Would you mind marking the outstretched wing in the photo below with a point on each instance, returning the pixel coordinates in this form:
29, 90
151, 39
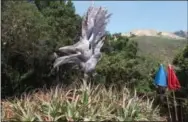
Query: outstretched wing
88, 22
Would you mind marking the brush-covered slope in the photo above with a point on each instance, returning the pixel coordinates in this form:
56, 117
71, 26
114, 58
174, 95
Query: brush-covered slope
154, 33
159, 48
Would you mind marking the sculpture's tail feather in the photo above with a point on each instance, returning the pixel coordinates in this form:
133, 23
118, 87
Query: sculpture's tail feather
98, 47
101, 21
94, 23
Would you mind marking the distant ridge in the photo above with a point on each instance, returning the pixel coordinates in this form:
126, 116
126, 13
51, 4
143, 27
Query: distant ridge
151, 32
182, 33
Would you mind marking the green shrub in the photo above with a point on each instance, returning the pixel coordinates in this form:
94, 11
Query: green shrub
121, 65
181, 63
29, 37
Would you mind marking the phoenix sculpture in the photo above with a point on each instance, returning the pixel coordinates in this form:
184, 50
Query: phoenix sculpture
86, 52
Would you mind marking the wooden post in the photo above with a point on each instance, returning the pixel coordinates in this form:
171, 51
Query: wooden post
175, 106
168, 107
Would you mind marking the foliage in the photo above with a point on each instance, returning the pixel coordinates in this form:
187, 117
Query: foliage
61, 16
82, 103
181, 61
121, 65
28, 39
22, 29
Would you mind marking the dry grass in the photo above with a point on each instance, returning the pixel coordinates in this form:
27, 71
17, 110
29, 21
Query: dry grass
85, 102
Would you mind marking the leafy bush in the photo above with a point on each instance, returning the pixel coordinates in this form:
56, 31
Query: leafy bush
121, 65
22, 29
181, 61
29, 37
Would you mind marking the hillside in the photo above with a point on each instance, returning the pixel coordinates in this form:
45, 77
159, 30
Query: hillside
151, 32
163, 49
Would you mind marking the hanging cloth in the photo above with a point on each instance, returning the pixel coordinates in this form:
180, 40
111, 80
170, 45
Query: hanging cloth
161, 77
173, 82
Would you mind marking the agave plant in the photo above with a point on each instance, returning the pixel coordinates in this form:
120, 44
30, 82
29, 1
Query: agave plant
85, 102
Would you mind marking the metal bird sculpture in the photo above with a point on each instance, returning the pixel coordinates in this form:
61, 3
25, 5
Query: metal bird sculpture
86, 52
89, 65
86, 66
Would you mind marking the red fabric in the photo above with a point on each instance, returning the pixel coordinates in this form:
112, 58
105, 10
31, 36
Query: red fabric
173, 82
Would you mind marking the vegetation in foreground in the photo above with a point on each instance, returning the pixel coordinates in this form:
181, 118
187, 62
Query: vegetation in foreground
84, 102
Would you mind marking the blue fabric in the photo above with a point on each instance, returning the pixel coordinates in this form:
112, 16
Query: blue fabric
161, 77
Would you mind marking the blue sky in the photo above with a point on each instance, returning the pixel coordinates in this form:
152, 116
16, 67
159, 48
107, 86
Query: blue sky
129, 15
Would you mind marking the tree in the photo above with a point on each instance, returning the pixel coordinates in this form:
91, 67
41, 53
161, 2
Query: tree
66, 30
29, 37
63, 20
